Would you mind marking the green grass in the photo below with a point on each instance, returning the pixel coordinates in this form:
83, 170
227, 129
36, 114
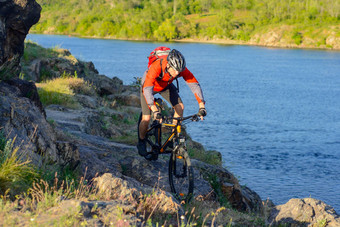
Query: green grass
210, 157
16, 175
34, 51
61, 91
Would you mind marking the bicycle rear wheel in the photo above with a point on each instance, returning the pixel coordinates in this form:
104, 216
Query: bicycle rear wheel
181, 176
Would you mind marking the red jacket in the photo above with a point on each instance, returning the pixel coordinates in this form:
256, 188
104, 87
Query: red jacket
152, 85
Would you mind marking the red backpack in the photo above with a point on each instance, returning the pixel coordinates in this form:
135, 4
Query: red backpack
158, 53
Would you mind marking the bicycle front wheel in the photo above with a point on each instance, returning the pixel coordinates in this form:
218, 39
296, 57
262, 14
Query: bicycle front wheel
181, 176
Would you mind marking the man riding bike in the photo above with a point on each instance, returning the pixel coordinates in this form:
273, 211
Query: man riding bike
158, 79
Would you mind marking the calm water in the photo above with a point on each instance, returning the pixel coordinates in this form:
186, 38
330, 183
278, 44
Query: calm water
274, 114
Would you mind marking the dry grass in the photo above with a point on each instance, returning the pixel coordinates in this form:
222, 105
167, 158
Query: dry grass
106, 199
62, 90
202, 212
109, 200
16, 175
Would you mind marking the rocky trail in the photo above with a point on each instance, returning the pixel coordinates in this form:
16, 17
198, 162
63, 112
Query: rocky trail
100, 155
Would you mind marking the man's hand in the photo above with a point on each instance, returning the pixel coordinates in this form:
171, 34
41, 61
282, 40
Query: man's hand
157, 115
202, 113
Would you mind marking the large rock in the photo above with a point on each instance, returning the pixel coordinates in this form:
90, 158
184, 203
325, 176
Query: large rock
240, 197
66, 64
23, 118
304, 212
16, 18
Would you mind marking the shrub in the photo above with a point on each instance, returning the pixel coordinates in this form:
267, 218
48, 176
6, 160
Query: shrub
16, 175
297, 37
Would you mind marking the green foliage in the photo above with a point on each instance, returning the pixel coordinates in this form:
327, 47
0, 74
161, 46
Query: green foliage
34, 51
63, 174
215, 184
16, 175
297, 37
210, 157
167, 31
170, 20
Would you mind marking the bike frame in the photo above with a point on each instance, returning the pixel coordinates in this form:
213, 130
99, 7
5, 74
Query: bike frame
175, 133
161, 147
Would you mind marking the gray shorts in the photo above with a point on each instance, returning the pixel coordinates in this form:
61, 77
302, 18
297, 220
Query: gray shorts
170, 94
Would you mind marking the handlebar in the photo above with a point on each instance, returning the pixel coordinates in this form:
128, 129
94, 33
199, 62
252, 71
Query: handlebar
193, 117
156, 123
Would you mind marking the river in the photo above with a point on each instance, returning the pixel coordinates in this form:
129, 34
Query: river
274, 114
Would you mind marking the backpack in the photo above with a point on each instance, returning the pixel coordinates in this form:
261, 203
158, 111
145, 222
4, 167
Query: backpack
160, 53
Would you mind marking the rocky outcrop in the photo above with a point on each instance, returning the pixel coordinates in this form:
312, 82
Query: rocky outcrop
304, 212
16, 18
333, 40
99, 155
62, 63
288, 36
22, 117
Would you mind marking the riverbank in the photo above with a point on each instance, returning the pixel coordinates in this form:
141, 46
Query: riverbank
271, 39
253, 43
85, 124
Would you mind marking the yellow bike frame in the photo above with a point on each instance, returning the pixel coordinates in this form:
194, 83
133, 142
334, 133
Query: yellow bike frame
173, 134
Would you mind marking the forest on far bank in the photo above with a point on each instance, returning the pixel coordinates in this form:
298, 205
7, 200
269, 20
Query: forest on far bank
167, 20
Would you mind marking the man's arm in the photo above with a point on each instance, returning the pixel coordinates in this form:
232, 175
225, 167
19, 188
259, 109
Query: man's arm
148, 85
194, 86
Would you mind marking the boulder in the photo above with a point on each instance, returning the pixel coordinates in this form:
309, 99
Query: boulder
22, 118
127, 98
16, 18
28, 90
240, 197
104, 85
101, 124
304, 212
65, 64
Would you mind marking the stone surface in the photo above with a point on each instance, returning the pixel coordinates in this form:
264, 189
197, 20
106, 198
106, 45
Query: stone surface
22, 119
304, 212
16, 18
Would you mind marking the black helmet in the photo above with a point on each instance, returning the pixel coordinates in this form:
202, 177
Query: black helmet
176, 60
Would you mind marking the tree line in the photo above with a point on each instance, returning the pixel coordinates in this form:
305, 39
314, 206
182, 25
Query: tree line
167, 20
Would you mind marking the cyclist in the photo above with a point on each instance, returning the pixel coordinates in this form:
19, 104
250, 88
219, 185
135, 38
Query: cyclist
158, 79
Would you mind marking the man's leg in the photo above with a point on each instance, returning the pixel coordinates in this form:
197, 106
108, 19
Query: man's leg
172, 96
143, 126
179, 109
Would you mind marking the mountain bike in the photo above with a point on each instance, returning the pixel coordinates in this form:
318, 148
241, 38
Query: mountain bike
181, 176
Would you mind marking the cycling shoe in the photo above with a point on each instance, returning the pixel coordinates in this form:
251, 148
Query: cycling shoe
151, 157
141, 146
